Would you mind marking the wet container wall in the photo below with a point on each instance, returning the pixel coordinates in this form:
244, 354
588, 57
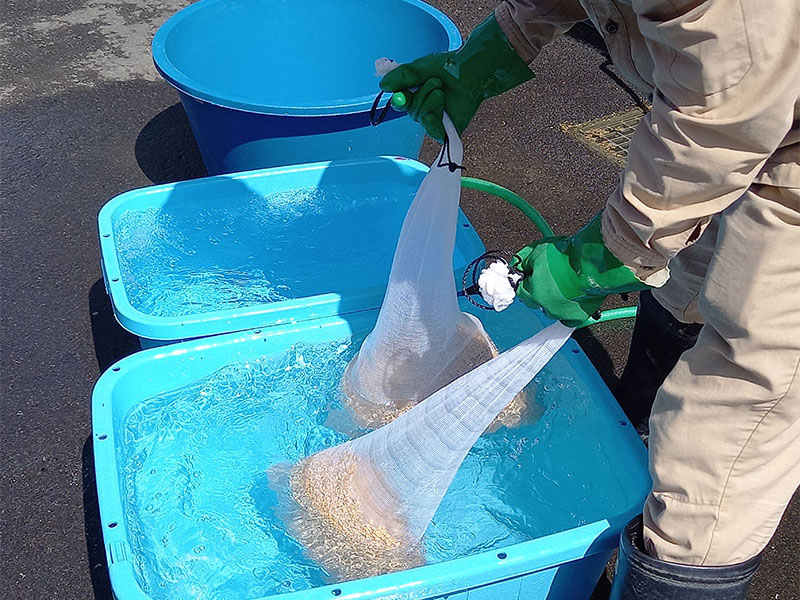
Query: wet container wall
183, 437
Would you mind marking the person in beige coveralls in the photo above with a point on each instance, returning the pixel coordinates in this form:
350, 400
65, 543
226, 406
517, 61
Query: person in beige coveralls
707, 213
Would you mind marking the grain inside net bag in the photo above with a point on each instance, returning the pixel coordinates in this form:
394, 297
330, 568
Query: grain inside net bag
361, 508
422, 341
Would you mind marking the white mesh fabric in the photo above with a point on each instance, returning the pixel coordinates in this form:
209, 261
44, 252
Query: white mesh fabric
361, 508
421, 340
375, 495
414, 458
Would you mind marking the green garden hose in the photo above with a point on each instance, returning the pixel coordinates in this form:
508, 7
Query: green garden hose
514, 199
611, 314
544, 228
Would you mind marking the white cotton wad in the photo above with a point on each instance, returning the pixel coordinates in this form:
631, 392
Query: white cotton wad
496, 284
383, 66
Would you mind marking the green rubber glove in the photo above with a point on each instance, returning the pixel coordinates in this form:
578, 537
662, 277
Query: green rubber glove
458, 81
569, 277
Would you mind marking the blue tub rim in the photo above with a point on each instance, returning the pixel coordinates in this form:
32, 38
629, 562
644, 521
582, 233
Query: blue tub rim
176, 328
448, 577
187, 85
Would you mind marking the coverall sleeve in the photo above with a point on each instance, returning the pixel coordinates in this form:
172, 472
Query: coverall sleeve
727, 77
531, 24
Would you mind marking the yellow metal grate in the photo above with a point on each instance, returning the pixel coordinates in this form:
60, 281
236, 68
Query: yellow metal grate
610, 135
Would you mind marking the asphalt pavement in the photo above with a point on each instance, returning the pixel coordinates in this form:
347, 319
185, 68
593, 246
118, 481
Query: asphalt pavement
84, 116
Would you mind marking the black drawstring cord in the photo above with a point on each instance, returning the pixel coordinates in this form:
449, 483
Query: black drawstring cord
449, 164
375, 117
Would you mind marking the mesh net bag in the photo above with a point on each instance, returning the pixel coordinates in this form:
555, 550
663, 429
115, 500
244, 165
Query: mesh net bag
421, 341
361, 508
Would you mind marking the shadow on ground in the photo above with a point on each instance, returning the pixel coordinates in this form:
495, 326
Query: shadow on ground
111, 341
587, 34
603, 588
95, 549
599, 356
166, 150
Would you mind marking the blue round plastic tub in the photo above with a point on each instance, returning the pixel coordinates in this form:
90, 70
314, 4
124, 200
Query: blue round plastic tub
276, 82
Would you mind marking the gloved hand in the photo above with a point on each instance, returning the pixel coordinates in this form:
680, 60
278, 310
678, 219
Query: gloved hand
458, 81
569, 277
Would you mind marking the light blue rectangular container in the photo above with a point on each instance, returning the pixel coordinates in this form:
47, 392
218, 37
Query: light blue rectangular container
326, 230
564, 565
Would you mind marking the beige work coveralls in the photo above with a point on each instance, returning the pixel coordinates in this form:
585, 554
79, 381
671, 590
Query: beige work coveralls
716, 160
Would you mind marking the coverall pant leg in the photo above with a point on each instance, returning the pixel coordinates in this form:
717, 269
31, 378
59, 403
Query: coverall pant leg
725, 426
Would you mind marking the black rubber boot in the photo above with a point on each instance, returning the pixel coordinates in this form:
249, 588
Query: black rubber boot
658, 342
642, 577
